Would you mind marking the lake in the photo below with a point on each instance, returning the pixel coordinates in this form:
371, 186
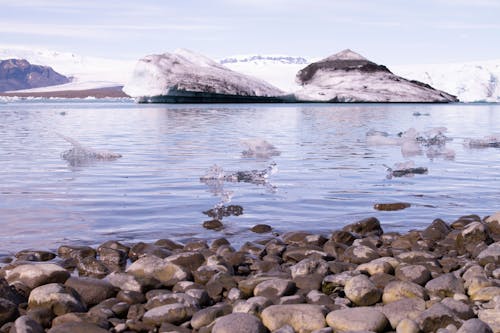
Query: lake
322, 173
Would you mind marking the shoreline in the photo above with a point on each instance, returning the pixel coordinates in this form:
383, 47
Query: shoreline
359, 278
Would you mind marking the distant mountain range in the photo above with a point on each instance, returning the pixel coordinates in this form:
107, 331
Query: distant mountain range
17, 74
470, 82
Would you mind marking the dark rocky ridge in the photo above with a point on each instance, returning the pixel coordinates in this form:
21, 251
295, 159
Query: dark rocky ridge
17, 74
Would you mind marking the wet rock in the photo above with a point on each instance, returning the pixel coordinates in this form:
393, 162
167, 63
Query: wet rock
168, 244
302, 317
463, 221
418, 274
92, 267
493, 224
261, 228
92, 291
445, 285
175, 313
406, 308
490, 255
357, 319
297, 254
365, 227
391, 206
75, 252
143, 249
77, 328
152, 270
238, 323
189, 261
343, 237
213, 225
126, 282
472, 235
407, 326
206, 316
34, 275
397, 290
57, 297
32, 255
113, 259
78, 317
436, 317
436, 231
274, 288
8, 311
360, 254
309, 266
361, 291
25, 324
474, 326
10, 293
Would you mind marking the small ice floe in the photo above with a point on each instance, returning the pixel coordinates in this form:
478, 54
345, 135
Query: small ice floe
406, 169
440, 152
418, 114
380, 138
259, 148
258, 177
81, 155
492, 141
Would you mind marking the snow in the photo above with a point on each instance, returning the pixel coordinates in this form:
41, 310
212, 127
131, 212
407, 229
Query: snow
183, 70
72, 86
471, 82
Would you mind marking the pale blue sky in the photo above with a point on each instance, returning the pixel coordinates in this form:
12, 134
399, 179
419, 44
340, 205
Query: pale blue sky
386, 31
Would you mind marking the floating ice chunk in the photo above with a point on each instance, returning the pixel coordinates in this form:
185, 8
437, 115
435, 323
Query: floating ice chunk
446, 153
79, 154
380, 138
418, 114
259, 148
486, 142
410, 148
406, 169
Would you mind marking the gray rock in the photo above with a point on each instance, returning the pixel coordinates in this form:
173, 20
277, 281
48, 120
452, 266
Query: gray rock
141, 249
368, 226
189, 261
437, 230
436, 317
77, 328
318, 298
309, 266
361, 291
32, 255
397, 290
445, 285
472, 235
75, 252
377, 266
57, 297
126, 282
238, 323
175, 313
92, 267
206, 316
171, 298
493, 224
360, 254
151, 268
285, 329
25, 324
253, 305
274, 288
407, 326
407, 308
79, 317
490, 317
92, 291
114, 259
490, 255
418, 274
462, 310
302, 317
357, 319
34, 275
8, 311
475, 326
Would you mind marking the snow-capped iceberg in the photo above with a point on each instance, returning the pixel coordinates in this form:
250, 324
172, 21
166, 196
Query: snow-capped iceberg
184, 76
349, 77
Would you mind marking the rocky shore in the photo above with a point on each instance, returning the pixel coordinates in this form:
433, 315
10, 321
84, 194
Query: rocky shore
445, 278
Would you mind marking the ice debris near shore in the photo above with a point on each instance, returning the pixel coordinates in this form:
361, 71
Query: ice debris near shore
258, 177
486, 142
80, 155
405, 169
259, 148
349, 77
184, 76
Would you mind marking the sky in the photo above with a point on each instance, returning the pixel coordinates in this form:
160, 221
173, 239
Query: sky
385, 31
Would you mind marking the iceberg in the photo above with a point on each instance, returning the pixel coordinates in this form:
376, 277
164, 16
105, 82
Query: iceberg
187, 77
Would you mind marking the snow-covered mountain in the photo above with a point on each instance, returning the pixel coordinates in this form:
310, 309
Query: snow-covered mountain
184, 76
470, 82
81, 69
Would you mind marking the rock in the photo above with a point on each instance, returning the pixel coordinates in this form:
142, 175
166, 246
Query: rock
474, 326
274, 288
126, 282
436, 231
206, 316
486, 294
309, 266
376, 266
357, 319
190, 261
406, 308
285, 329
113, 259
92, 291
77, 328
302, 317
418, 274
79, 317
184, 76
8, 311
175, 313
25, 324
32, 255
151, 269
365, 227
238, 323
171, 298
261, 228
253, 305
472, 235
143, 249
92, 267
397, 290
343, 237
493, 224
407, 326
168, 244
435, 317
445, 285
360, 254
57, 297
213, 225
34, 275
490, 255
170, 328
318, 298
75, 252
10, 293
391, 206
461, 309
491, 318
361, 291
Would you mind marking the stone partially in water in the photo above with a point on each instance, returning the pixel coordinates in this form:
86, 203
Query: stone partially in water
391, 206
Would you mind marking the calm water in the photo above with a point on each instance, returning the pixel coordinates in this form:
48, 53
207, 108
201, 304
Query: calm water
327, 175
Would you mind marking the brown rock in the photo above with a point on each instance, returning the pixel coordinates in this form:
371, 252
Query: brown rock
392, 206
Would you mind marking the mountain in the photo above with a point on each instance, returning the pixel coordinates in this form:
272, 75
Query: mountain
470, 82
17, 74
349, 77
184, 76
